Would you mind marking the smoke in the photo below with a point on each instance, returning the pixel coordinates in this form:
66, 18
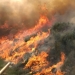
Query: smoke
21, 14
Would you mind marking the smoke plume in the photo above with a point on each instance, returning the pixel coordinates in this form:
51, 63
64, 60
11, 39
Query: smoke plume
19, 14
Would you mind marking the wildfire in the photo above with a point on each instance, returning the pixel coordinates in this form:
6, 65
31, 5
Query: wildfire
37, 62
42, 22
57, 67
13, 50
27, 42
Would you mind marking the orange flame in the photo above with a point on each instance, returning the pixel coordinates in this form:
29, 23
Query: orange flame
13, 50
48, 71
37, 62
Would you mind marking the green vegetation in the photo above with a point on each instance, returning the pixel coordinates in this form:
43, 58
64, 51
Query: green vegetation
64, 37
2, 63
59, 27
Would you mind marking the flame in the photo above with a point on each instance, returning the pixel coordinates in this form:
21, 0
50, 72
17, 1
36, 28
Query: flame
14, 50
37, 62
35, 41
42, 22
48, 71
